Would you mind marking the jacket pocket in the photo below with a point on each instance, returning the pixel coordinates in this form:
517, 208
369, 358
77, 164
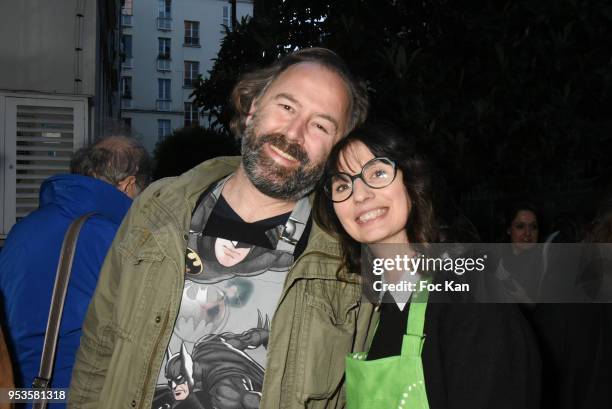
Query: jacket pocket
326, 337
140, 280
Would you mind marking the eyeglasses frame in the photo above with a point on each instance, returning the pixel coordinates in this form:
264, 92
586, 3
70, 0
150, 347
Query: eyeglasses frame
359, 176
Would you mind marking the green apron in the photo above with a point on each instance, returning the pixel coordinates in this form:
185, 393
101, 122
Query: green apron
395, 382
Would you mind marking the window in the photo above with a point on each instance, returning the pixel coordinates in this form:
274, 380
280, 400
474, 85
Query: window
192, 33
127, 122
191, 114
163, 56
126, 13
225, 21
164, 18
163, 128
164, 88
127, 7
165, 8
126, 87
164, 48
163, 94
192, 70
126, 51
126, 92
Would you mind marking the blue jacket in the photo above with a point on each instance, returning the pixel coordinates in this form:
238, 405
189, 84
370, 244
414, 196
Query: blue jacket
28, 264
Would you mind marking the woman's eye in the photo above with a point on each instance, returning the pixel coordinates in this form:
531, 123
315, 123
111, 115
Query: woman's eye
380, 173
340, 188
286, 107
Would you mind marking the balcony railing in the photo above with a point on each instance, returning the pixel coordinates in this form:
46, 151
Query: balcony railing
126, 20
127, 63
192, 41
163, 104
163, 64
164, 23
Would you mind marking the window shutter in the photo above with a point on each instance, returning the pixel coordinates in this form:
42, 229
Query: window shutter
40, 137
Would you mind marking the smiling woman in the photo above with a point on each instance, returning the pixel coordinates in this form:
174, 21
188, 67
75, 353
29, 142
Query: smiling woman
399, 210
442, 351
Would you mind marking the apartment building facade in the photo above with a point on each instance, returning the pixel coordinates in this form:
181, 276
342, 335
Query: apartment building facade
59, 83
166, 45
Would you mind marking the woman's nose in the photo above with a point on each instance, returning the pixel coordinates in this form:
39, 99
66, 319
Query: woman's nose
361, 191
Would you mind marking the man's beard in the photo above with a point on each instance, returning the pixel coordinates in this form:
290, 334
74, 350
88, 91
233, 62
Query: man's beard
270, 178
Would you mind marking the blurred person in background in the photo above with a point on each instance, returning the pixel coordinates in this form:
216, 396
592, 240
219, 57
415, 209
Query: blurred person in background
104, 179
520, 267
575, 333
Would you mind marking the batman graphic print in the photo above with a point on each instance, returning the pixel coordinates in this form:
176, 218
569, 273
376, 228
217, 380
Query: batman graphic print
234, 276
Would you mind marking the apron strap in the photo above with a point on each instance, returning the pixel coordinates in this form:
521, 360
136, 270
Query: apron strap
287, 236
294, 227
412, 344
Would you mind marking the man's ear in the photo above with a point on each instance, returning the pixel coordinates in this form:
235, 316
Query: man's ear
128, 186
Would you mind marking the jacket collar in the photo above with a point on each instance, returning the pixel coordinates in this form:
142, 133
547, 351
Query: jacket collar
180, 196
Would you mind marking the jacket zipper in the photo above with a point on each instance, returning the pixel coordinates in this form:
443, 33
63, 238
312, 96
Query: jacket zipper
149, 367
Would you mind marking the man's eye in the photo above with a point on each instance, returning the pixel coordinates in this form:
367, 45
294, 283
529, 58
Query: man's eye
286, 107
321, 128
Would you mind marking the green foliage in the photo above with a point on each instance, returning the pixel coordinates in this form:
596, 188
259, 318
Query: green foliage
508, 96
188, 147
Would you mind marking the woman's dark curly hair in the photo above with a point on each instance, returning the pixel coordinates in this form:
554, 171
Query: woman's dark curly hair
383, 140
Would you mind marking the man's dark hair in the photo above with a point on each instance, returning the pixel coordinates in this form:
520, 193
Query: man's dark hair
254, 84
112, 159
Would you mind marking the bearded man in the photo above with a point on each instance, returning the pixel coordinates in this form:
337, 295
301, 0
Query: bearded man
228, 254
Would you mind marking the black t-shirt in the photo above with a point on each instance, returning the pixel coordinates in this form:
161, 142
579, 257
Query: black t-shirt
475, 356
225, 222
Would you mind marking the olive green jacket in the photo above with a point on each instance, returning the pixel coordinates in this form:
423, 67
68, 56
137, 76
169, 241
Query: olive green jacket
320, 317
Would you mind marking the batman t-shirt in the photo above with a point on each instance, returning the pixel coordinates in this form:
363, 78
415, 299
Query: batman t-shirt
234, 277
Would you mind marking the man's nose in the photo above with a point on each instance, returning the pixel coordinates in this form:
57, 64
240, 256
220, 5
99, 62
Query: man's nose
361, 191
295, 129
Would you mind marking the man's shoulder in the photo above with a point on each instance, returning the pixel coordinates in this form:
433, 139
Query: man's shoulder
193, 182
324, 250
321, 241
171, 200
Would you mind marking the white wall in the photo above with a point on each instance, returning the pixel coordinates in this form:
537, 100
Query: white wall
37, 51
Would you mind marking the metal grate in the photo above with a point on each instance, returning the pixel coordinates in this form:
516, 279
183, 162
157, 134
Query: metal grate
44, 145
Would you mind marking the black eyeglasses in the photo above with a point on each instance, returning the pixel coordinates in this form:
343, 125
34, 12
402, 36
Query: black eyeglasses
376, 173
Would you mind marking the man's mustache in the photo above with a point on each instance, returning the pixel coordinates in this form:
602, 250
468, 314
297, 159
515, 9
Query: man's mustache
280, 141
